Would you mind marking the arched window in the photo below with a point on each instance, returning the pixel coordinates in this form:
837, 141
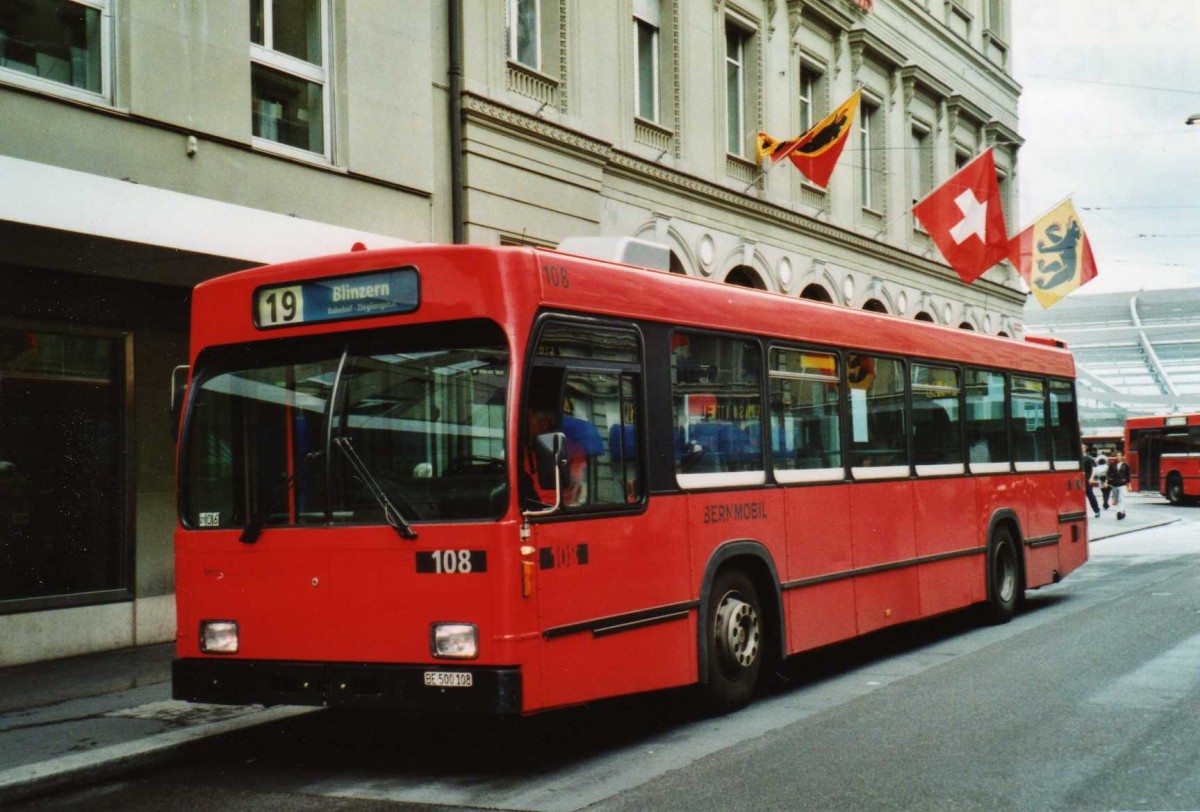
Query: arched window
1003, 334
966, 325
875, 306
676, 265
816, 293
923, 316
745, 276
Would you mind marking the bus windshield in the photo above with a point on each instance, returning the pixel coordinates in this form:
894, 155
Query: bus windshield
424, 409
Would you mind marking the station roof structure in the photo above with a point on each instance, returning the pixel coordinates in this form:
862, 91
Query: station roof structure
1136, 353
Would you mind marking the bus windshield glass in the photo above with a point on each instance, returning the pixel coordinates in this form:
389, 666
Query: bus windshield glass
424, 409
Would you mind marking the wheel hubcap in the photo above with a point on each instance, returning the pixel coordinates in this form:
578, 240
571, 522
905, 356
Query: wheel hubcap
737, 631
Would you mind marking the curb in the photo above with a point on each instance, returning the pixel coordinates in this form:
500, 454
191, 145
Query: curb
1131, 529
20, 783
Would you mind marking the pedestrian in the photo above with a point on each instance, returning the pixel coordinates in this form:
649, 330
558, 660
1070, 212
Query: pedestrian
1089, 478
1118, 479
1102, 478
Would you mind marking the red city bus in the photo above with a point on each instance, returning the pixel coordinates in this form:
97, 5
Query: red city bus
1164, 456
505, 480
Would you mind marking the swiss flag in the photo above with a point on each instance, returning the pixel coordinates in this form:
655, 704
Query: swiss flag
965, 219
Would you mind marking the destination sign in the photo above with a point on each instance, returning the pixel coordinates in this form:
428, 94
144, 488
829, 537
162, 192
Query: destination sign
378, 293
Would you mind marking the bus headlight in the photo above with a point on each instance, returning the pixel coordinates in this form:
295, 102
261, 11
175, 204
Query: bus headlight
455, 641
219, 636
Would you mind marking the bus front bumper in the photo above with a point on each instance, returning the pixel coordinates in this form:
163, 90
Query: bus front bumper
490, 690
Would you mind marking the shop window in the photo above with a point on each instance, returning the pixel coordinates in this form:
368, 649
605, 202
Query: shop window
289, 75
60, 46
62, 533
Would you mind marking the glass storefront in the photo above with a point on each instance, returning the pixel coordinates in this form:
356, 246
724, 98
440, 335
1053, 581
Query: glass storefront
62, 534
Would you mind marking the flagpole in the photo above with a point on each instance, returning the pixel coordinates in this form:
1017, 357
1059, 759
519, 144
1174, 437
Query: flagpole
1047, 211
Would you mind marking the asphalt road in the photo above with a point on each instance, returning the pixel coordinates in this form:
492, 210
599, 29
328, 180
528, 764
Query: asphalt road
1089, 699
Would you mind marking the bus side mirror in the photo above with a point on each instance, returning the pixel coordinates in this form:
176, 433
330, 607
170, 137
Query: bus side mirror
178, 398
550, 450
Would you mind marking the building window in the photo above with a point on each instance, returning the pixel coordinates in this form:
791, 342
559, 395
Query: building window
995, 16
62, 524
60, 46
647, 25
921, 163
812, 107
524, 33
289, 75
737, 49
870, 158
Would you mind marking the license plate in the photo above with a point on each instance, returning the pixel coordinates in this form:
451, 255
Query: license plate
449, 679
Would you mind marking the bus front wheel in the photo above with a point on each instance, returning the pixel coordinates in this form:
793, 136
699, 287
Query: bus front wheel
1004, 577
1175, 490
734, 631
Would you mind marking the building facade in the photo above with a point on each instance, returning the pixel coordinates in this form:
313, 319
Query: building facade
150, 144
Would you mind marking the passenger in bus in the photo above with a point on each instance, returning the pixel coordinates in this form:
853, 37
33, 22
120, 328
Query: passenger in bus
542, 420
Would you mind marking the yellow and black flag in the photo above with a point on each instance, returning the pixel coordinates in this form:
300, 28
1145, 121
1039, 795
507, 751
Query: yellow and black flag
1053, 255
816, 152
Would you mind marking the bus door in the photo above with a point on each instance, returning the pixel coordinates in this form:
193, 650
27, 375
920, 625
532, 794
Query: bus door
605, 571
1149, 454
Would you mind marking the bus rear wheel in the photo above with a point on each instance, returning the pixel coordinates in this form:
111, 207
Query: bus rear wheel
1175, 490
1003, 577
735, 636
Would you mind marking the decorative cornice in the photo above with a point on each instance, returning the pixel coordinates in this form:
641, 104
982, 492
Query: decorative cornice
958, 104
486, 112
998, 134
826, 14
963, 51
865, 41
543, 130
915, 76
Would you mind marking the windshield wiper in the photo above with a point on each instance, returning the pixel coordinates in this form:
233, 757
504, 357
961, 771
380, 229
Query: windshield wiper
254, 527
390, 514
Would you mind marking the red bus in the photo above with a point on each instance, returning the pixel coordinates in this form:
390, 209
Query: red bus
505, 480
1164, 456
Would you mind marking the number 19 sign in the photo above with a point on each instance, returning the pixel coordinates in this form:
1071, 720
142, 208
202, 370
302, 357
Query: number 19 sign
377, 293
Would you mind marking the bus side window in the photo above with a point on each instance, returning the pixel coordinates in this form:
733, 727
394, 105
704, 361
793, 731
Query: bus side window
1028, 412
877, 419
716, 396
987, 436
937, 439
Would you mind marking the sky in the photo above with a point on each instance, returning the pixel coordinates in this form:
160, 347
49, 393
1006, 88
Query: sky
1107, 86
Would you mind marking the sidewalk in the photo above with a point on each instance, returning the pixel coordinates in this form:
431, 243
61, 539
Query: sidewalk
82, 719
66, 722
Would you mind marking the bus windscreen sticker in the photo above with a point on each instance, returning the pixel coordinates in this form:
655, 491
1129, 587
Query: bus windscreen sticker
378, 293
